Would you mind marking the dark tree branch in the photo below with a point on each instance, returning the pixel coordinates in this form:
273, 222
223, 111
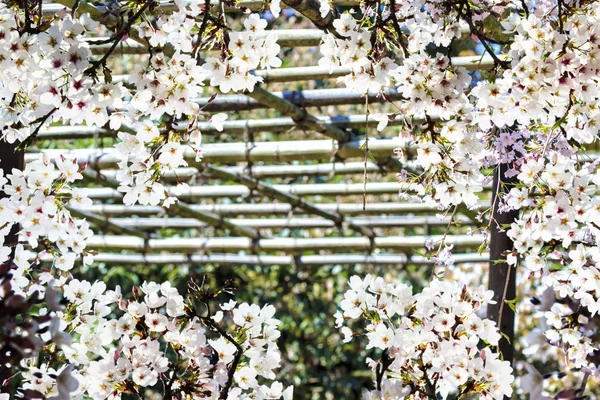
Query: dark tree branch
41, 121
74, 8
91, 71
383, 366
208, 321
310, 9
10, 159
467, 16
561, 28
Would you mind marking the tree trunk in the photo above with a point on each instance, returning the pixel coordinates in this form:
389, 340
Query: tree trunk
502, 276
9, 159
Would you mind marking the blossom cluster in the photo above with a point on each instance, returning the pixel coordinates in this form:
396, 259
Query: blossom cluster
169, 87
125, 345
529, 117
48, 76
432, 90
430, 340
37, 199
354, 51
557, 237
42, 78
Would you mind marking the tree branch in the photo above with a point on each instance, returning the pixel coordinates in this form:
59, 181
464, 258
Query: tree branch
91, 71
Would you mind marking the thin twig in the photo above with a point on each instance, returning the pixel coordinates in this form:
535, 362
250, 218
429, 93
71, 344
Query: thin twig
384, 364
27, 16
42, 120
525, 8
74, 8
396, 25
561, 28
236, 360
444, 239
506, 282
584, 382
91, 71
497, 62
203, 25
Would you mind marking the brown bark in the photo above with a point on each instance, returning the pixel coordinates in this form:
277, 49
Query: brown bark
502, 277
9, 159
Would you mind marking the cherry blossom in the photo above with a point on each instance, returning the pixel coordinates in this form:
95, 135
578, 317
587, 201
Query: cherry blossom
429, 340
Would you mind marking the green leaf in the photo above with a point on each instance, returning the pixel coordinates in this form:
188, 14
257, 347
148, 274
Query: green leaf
107, 75
512, 304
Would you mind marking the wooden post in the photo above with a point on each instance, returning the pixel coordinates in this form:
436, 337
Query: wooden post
502, 277
9, 159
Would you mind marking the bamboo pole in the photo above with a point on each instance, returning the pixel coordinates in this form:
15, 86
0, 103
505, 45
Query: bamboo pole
300, 98
129, 47
215, 220
269, 209
106, 224
289, 38
179, 174
236, 244
169, 6
290, 196
310, 73
299, 116
74, 132
106, 19
275, 151
269, 260
244, 190
285, 223
285, 171
281, 124
286, 38
248, 184
470, 63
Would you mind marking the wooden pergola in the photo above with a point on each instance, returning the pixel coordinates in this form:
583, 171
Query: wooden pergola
298, 176
296, 195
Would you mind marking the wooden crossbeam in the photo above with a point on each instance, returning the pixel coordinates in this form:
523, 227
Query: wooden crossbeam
184, 210
288, 197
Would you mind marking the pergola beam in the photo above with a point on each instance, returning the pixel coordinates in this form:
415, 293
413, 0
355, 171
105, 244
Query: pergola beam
285, 223
183, 209
285, 38
248, 184
299, 116
167, 6
269, 209
292, 74
240, 126
269, 260
236, 244
300, 98
106, 224
288, 197
275, 151
286, 171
